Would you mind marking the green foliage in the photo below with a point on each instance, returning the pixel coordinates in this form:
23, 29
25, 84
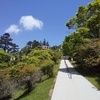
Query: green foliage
22, 70
40, 54
4, 56
33, 44
41, 90
84, 44
3, 65
72, 42
88, 56
47, 67
25, 69
87, 17
7, 44
25, 50
5, 84
56, 55
4, 59
39, 93
83, 31
33, 60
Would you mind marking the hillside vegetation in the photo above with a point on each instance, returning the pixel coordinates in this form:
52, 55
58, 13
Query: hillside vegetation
21, 70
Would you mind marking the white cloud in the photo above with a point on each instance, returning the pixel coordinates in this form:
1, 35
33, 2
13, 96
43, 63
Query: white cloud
29, 22
13, 29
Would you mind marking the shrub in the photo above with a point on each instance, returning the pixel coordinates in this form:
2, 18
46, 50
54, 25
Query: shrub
5, 85
4, 59
47, 67
88, 56
40, 54
56, 56
23, 75
33, 60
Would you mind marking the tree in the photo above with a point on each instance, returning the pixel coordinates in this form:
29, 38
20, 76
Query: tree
35, 44
29, 44
44, 42
93, 21
88, 56
5, 40
7, 44
48, 43
73, 42
84, 44
87, 17
14, 48
25, 50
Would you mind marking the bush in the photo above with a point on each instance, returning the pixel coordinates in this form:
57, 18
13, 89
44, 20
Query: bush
33, 60
5, 85
88, 56
40, 54
3, 65
47, 67
56, 56
4, 59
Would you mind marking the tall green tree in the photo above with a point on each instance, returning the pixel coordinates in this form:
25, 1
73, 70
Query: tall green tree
5, 40
7, 44
29, 44
35, 44
44, 42
88, 17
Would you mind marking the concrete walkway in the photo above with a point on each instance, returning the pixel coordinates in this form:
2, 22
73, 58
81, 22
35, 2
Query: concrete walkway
73, 87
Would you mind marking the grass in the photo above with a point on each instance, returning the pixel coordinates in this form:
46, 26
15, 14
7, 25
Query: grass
93, 78
17, 93
41, 91
95, 81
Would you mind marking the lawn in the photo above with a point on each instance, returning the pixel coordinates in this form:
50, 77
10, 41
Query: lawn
41, 92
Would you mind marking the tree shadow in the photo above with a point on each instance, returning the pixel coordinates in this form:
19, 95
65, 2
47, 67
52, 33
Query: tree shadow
23, 95
69, 70
98, 81
91, 74
79, 71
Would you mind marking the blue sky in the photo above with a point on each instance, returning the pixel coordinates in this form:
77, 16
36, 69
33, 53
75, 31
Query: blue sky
28, 20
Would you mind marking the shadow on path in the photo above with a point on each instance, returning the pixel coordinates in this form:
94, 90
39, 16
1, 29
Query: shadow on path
69, 70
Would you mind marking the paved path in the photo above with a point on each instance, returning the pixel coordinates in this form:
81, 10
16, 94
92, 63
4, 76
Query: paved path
74, 87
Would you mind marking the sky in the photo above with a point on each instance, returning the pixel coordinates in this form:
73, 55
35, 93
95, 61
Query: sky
28, 20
